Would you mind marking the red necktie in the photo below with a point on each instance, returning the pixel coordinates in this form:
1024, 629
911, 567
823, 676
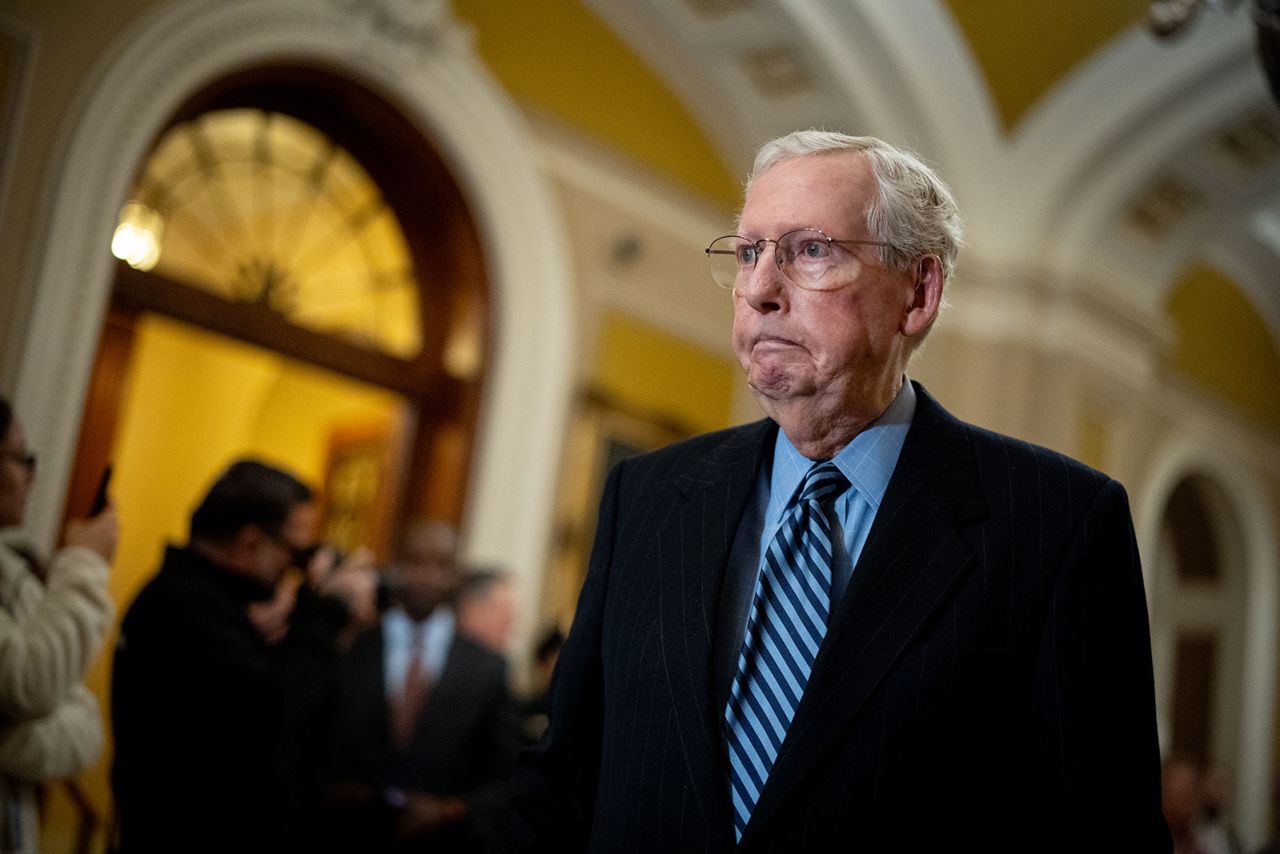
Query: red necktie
406, 707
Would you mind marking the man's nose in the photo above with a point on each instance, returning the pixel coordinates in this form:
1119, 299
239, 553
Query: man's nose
764, 287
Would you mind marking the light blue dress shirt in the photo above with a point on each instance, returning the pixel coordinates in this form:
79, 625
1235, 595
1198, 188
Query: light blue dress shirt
398, 633
867, 462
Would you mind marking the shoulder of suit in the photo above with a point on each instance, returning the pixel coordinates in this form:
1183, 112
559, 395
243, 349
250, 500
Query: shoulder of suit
174, 597
996, 452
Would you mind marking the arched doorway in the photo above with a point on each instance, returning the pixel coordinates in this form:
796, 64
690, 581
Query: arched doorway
296, 212
1200, 595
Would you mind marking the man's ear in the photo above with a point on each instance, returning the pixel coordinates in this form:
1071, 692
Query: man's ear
926, 297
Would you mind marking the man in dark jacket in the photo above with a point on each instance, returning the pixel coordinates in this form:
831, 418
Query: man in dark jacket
220, 674
424, 731
861, 624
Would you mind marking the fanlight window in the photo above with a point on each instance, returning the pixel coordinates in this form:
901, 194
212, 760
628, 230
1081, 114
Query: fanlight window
259, 207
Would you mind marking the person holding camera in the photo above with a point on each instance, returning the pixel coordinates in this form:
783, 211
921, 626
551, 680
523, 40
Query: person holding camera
52, 619
221, 670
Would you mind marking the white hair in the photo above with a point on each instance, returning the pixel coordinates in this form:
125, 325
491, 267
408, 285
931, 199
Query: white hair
914, 211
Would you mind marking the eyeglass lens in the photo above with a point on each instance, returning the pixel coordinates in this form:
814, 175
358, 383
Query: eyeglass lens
805, 257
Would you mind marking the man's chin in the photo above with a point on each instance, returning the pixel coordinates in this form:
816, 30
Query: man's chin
775, 383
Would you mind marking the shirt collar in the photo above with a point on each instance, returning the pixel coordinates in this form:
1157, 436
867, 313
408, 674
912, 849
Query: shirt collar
399, 627
868, 461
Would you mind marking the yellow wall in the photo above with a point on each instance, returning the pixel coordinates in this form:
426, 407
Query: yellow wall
557, 56
1224, 346
659, 373
1093, 435
193, 402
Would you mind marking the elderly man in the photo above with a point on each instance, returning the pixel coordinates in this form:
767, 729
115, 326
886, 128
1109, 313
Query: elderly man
860, 624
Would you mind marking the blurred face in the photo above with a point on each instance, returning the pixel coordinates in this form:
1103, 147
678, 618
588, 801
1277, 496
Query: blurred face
265, 558
1179, 795
489, 618
841, 350
16, 476
427, 572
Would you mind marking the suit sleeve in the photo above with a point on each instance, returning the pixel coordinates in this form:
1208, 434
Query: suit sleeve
555, 781
1093, 722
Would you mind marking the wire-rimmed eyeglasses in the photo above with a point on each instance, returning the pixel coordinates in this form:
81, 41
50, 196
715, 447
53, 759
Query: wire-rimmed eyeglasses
806, 257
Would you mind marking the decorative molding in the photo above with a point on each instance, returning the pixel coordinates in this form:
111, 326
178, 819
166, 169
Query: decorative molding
922, 45
1236, 255
630, 187
1073, 318
415, 24
1084, 158
659, 213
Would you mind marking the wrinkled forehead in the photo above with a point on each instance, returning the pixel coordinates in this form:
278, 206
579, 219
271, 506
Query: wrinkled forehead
830, 190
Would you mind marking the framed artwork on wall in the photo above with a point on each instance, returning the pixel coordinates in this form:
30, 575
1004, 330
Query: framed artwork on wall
362, 484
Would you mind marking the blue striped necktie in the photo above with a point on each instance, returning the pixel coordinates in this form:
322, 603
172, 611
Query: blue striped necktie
787, 623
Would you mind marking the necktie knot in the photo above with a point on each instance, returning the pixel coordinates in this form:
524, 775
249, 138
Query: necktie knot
822, 480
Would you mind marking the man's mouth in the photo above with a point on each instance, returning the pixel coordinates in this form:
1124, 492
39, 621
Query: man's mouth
774, 342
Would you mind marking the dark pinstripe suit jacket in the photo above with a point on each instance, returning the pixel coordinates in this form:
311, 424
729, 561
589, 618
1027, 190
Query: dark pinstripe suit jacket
985, 681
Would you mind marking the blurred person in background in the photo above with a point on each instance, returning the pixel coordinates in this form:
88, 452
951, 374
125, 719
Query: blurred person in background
222, 669
487, 609
52, 619
1181, 805
423, 731
1216, 834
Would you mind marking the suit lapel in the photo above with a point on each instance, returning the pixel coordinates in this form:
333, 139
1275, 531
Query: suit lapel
691, 551
913, 557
